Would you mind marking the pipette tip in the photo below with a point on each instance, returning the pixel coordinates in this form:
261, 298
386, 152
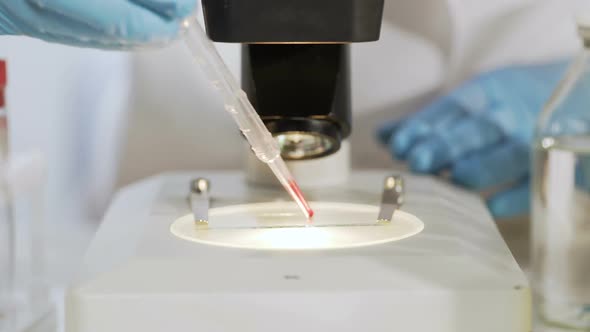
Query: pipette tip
300, 199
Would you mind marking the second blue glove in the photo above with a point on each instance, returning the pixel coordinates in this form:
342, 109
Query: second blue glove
481, 132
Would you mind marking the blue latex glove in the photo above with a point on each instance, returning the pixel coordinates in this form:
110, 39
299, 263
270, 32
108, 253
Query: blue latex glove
482, 132
110, 24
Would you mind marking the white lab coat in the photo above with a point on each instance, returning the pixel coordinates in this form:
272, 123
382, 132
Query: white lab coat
108, 118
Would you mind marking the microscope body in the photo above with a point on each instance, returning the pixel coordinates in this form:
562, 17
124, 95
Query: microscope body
456, 275
296, 64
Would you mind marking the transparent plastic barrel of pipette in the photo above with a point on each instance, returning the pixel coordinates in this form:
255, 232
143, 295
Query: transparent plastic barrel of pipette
239, 107
560, 224
235, 99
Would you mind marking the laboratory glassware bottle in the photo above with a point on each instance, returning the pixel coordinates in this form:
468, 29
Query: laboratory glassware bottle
24, 298
7, 264
560, 223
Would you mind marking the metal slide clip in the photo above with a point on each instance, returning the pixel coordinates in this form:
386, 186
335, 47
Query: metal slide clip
392, 198
199, 201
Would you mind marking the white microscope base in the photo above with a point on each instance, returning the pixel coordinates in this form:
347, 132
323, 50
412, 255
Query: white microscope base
455, 276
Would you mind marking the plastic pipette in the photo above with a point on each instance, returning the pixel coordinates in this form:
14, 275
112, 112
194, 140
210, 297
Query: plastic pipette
237, 104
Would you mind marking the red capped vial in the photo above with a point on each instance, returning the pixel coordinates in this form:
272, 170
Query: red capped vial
2, 83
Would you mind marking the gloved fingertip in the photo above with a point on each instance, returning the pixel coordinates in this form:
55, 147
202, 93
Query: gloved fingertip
462, 177
384, 133
466, 173
147, 29
401, 142
157, 33
429, 156
421, 160
186, 8
510, 204
499, 208
167, 9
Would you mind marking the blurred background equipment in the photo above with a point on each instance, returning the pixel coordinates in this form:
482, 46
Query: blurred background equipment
561, 198
24, 291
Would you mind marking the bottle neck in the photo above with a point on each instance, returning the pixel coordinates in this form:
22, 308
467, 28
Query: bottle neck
564, 114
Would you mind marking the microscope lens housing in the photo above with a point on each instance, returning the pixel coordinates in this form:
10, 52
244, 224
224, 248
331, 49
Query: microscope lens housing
296, 64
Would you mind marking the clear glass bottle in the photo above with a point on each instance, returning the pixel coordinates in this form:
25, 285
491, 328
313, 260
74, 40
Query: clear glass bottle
24, 299
7, 245
561, 200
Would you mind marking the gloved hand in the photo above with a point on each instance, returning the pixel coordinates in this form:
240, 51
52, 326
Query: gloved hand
111, 24
482, 132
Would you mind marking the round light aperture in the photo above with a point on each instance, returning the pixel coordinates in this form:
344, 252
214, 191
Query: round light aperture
276, 226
